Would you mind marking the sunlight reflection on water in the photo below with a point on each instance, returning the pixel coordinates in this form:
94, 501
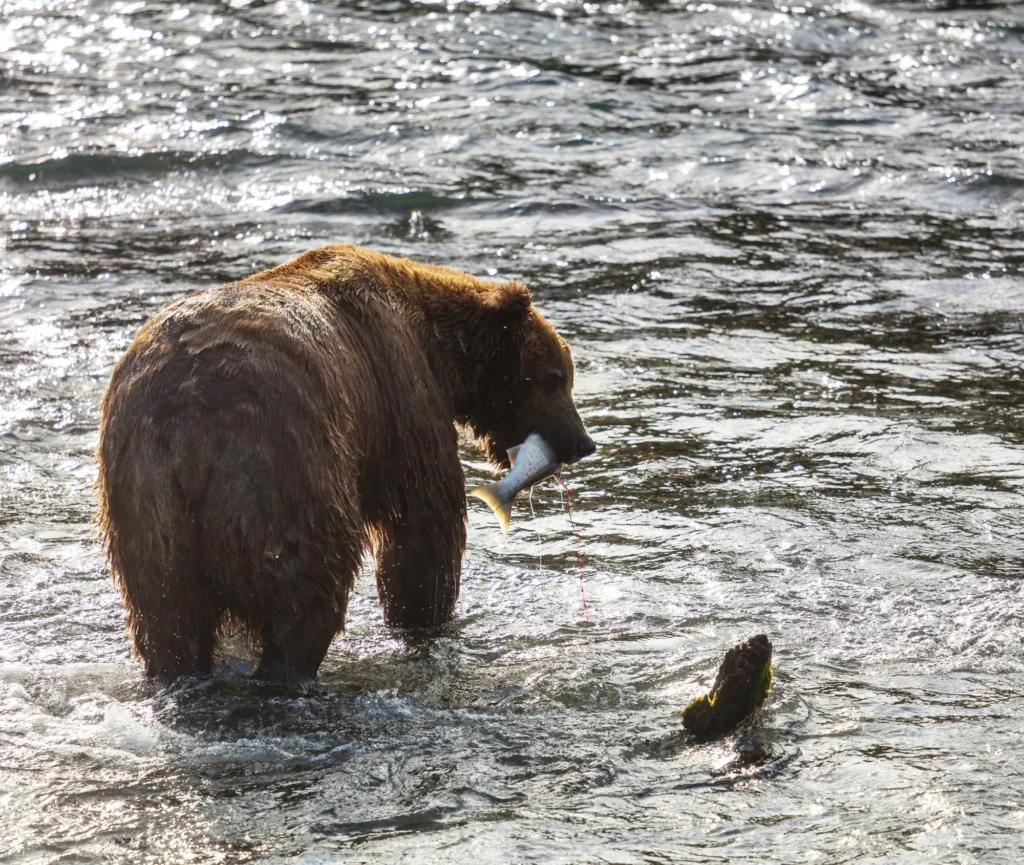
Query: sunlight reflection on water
785, 243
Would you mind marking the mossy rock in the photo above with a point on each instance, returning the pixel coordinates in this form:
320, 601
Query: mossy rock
743, 682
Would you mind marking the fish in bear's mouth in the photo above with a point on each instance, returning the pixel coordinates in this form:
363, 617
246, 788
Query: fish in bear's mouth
530, 462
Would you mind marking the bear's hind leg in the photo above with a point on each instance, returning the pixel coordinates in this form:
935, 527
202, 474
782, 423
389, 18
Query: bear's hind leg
173, 619
179, 642
174, 613
292, 653
300, 622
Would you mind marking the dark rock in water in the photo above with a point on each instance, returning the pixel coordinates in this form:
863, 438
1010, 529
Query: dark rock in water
743, 682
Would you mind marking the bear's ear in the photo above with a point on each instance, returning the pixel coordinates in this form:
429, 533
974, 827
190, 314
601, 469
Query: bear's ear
510, 302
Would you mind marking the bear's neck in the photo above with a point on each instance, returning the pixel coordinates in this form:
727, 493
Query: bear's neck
470, 354
467, 327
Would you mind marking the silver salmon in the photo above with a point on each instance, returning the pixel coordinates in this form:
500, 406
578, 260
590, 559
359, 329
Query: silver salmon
530, 462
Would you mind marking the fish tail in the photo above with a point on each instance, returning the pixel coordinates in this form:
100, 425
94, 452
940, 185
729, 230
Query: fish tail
502, 510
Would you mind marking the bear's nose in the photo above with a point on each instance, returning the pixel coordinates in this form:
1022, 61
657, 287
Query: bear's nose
585, 447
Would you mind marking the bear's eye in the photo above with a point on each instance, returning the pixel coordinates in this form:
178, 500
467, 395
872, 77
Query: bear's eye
555, 378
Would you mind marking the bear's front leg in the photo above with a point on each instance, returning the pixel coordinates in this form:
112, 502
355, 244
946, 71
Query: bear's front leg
419, 558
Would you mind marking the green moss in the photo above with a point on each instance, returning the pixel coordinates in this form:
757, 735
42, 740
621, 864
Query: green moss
699, 715
764, 685
743, 682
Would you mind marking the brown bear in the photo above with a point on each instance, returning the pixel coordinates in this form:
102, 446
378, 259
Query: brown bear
256, 438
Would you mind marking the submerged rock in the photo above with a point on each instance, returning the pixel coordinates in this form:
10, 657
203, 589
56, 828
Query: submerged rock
742, 683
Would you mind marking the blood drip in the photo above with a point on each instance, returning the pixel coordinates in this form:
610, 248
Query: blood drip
576, 534
533, 516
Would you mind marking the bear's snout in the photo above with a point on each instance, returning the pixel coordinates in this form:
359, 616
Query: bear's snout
585, 447
563, 429
575, 448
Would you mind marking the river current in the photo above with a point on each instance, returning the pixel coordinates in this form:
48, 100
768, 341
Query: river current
785, 242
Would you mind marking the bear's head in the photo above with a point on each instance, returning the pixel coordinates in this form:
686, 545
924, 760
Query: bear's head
527, 386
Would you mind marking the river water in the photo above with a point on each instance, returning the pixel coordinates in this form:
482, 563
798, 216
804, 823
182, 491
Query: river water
785, 242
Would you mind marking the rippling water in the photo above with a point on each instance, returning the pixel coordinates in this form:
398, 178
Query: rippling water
785, 242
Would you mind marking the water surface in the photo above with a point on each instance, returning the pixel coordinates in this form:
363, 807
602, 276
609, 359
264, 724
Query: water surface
785, 242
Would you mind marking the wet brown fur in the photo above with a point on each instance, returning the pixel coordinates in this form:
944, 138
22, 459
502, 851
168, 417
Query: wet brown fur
256, 438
